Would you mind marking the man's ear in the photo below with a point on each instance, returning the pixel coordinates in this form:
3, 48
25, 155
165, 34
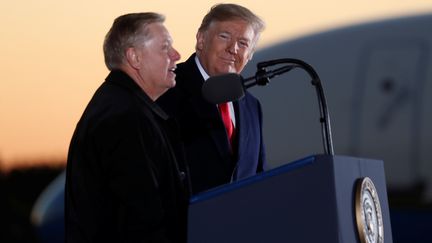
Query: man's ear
200, 40
132, 57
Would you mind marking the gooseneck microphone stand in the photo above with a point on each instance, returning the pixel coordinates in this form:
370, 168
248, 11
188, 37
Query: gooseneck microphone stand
262, 77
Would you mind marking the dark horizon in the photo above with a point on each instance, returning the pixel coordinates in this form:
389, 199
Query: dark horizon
8, 166
19, 189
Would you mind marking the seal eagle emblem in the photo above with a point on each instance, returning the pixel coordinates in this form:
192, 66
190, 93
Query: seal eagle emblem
368, 212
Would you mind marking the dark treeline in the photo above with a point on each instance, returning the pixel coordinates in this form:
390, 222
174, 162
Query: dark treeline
19, 190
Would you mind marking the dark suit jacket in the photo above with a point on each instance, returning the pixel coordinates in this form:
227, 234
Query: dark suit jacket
206, 143
123, 182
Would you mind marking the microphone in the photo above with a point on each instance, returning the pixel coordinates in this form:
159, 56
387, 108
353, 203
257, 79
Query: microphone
262, 76
223, 88
230, 87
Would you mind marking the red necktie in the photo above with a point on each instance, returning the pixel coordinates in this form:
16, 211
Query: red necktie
226, 118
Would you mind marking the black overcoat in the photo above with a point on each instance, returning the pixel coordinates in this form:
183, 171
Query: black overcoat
124, 182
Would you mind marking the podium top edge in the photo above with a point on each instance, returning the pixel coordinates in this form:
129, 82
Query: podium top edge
253, 179
290, 166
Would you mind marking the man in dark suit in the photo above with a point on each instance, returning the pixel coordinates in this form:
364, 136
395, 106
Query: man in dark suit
123, 180
218, 154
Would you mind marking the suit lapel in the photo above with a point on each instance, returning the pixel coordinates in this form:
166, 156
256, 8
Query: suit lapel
241, 126
205, 111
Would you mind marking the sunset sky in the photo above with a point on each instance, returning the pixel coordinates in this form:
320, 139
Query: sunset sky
51, 55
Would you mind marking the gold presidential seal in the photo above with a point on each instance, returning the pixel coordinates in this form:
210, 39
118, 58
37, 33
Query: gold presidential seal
368, 212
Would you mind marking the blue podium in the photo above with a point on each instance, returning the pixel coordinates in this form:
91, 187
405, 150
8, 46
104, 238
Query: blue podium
309, 200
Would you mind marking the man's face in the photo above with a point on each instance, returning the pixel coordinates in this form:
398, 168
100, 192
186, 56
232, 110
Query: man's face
158, 60
225, 47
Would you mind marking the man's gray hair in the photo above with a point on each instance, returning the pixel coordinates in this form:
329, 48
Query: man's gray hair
124, 33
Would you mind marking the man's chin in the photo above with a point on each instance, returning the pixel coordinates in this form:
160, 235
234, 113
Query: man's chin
172, 84
227, 70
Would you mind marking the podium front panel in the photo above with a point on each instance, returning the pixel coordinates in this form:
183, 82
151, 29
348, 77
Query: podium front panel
310, 200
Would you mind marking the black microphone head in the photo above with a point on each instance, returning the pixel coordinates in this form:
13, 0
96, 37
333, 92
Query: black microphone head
223, 88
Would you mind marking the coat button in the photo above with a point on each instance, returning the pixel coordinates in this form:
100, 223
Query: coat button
182, 175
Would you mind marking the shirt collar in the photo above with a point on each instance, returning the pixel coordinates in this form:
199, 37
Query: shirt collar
120, 78
201, 69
